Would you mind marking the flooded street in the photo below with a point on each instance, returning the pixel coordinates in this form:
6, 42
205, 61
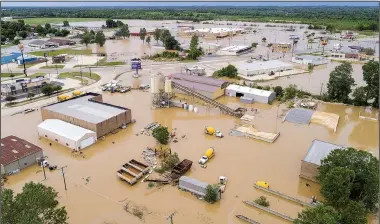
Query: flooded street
244, 161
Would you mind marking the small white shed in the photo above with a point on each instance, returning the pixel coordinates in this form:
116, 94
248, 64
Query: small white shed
69, 135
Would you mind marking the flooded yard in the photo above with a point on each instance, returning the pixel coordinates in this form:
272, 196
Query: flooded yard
95, 194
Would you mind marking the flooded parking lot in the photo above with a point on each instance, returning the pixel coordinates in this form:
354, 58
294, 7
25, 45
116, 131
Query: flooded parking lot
95, 194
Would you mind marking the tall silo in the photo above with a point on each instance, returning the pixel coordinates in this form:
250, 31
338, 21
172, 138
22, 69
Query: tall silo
154, 84
168, 86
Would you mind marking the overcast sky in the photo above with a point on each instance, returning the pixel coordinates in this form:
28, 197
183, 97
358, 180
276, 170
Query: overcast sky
76, 4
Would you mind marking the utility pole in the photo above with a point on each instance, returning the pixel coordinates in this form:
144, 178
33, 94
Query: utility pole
320, 93
21, 47
81, 75
170, 217
56, 68
63, 174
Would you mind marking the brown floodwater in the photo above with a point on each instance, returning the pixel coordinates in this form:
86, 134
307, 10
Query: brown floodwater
243, 161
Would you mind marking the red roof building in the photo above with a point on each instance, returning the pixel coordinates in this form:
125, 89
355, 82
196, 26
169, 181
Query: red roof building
17, 154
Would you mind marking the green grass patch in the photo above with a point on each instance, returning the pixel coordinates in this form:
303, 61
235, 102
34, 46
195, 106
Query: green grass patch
52, 66
368, 33
77, 76
26, 65
6, 45
103, 62
9, 74
69, 51
38, 98
38, 21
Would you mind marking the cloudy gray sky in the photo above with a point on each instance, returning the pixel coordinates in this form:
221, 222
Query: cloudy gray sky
153, 3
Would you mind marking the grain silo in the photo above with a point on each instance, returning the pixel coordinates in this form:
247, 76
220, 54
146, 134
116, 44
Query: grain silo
154, 84
168, 86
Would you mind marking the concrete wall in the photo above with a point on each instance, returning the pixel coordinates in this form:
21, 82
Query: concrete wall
23, 162
309, 171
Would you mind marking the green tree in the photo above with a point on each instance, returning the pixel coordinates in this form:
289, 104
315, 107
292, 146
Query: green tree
194, 52
279, 91
48, 89
170, 161
330, 28
171, 43
363, 167
320, 214
290, 92
161, 134
22, 34
100, 39
47, 27
211, 194
66, 23
264, 40
254, 31
230, 71
165, 34
371, 77
124, 31
369, 51
340, 83
157, 34
147, 39
262, 201
35, 204
40, 30
254, 44
354, 213
57, 88
31, 95
16, 41
86, 38
142, 34
360, 96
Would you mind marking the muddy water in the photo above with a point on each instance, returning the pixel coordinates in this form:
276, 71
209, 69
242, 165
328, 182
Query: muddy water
243, 161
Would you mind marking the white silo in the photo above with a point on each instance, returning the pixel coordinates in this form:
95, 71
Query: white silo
154, 84
168, 86
161, 82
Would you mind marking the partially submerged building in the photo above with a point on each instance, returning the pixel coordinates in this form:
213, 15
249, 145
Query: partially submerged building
234, 50
17, 154
88, 111
310, 59
62, 42
262, 67
281, 47
66, 134
211, 32
250, 95
318, 151
207, 86
14, 87
194, 186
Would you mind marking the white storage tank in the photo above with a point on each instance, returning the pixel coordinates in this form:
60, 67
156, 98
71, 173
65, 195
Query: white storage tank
196, 109
154, 84
168, 86
191, 107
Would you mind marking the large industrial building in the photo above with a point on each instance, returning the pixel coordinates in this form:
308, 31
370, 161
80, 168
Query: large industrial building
209, 87
249, 94
262, 67
318, 151
234, 50
17, 154
88, 111
211, 32
69, 135
310, 59
14, 87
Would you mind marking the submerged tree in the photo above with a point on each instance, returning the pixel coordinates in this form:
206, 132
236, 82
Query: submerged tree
35, 204
211, 194
371, 77
321, 214
340, 83
157, 34
142, 34
161, 134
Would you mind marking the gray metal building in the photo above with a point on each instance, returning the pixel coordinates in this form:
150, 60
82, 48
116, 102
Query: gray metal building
318, 151
17, 154
194, 186
257, 95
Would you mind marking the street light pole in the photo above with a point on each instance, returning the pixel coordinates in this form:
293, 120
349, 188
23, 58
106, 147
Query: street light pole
21, 47
63, 175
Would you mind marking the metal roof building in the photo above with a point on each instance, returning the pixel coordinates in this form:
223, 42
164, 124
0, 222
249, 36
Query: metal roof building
17, 154
262, 67
318, 151
234, 50
66, 134
89, 112
310, 59
210, 87
259, 95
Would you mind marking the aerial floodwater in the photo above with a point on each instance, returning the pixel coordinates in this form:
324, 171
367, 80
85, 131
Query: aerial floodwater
229, 123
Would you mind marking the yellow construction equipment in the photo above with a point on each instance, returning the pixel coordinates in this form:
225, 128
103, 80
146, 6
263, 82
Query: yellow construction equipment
209, 130
262, 184
62, 97
77, 93
208, 155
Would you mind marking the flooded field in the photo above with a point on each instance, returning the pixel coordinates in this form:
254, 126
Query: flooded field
95, 195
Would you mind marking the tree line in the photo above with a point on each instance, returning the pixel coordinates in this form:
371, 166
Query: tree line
344, 17
12, 29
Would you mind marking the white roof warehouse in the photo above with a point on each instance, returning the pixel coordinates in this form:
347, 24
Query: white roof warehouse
262, 67
258, 95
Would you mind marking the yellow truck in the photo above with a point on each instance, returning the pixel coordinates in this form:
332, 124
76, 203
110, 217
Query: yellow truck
208, 155
77, 93
211, 131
